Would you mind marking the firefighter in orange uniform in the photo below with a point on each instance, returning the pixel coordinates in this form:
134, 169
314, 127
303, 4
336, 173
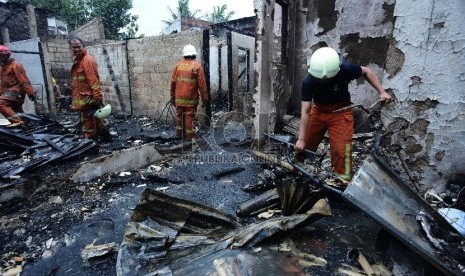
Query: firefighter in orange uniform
327, 86
15, 85
86, 91
187, 82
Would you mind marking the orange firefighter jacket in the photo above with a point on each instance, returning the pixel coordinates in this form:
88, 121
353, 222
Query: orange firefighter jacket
14, 82
85, 82
187, 81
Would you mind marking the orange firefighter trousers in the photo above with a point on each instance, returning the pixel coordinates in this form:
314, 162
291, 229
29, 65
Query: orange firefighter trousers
185, 119
9, 108
92, 127
340, 127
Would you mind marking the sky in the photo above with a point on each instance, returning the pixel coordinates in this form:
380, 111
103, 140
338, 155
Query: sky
152, 12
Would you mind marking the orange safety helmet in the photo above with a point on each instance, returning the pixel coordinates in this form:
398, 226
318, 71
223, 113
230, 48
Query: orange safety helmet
4, 50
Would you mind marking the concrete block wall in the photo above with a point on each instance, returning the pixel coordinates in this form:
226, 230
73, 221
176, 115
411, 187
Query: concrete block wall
92, 30
113, 71
58, 51
140, 87
152, 60
58, 62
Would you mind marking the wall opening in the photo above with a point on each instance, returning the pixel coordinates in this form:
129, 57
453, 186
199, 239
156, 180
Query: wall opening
280, 32
243, 78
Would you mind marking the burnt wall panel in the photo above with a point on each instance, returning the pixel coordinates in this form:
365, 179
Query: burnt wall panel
359, 30
364, 51
14, 17
327, 14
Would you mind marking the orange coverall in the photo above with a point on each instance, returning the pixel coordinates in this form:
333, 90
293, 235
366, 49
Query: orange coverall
340, 127
14, 86
87, 94
187, 81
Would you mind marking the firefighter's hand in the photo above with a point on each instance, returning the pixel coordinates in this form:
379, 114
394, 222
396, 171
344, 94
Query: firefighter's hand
204, 104
299, 145
173, 102
31, 97
385, 97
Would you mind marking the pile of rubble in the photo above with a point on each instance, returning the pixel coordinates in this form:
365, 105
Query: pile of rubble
84, 213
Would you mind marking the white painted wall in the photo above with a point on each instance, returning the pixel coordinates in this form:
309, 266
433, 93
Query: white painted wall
214, 67
430, 34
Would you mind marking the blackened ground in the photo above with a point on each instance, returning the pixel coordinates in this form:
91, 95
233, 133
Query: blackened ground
57, 218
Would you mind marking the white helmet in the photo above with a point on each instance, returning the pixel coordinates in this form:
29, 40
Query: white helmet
189, 50
324, 63
103, 112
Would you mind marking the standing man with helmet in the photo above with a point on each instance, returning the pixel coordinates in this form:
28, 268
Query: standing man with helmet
187, 82
327, 86
86, 91
14, 86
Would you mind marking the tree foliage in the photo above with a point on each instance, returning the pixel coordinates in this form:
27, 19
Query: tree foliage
181, 10
117, 20
219, 14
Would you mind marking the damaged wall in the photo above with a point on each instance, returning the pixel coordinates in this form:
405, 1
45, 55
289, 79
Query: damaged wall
218, 70
416, 48
359, 30
149, 61
263, 67
272, 81
113, 70
242, 59
145, 90
425, 70
282, 92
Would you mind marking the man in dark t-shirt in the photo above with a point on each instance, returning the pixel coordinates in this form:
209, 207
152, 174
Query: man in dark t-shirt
327, 86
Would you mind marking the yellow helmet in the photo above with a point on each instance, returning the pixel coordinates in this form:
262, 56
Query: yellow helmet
103, 112
324, 63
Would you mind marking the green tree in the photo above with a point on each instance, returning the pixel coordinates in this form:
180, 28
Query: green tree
182, 10
115, 16
118, 22
219, 14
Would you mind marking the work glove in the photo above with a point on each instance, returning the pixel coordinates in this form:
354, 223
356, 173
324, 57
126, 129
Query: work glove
31, 97
204, 104
172, 101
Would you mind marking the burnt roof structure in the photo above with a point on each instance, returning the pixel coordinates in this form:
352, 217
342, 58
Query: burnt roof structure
245, 26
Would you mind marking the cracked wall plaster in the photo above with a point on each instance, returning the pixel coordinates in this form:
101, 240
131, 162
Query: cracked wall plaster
429, 84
